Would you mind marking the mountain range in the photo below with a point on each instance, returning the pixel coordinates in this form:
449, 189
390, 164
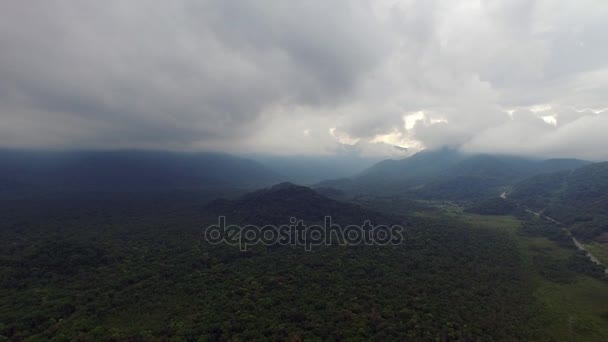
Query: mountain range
448, 174
577, 198
472, 265
126, 171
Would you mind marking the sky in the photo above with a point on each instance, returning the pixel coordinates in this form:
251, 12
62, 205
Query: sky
316, 77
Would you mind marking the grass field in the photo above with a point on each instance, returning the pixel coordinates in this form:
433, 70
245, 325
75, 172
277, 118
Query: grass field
577, 311
574, 310
506, 224
599, 250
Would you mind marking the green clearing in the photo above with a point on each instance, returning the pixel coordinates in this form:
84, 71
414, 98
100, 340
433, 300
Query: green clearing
575, 309
507, 224
599, 250
578, 311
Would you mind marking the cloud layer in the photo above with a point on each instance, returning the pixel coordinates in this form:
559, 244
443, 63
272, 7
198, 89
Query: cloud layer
312, 77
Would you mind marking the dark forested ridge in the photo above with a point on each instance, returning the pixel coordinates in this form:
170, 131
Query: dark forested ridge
447, 174
578, 198
279, 203
41, 172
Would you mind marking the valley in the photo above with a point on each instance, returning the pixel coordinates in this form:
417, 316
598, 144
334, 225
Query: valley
574, 306
303, 171
478, 260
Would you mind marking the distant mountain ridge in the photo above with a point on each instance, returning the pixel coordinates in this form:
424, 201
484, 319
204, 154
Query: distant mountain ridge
126, 171
578, 198
440, 174
448, 174
305, 169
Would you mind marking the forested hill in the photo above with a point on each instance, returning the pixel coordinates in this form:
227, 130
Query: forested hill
138, 270
578, 198
277, 204
35, 172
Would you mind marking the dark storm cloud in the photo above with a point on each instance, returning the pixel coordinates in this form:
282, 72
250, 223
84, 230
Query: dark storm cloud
306, 77
185, 71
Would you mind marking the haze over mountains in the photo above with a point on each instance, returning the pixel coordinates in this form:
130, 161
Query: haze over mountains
571, 190
443, 173
127, 171
303, 169
423, 173
449, 174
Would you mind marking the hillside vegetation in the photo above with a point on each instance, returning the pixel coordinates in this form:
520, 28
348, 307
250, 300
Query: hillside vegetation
448, 175
138, 270
578, 198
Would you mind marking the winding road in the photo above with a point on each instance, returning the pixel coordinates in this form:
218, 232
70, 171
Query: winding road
577, 243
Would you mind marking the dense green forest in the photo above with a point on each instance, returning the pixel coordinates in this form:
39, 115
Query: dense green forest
135, 266
577, 198
127, 270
